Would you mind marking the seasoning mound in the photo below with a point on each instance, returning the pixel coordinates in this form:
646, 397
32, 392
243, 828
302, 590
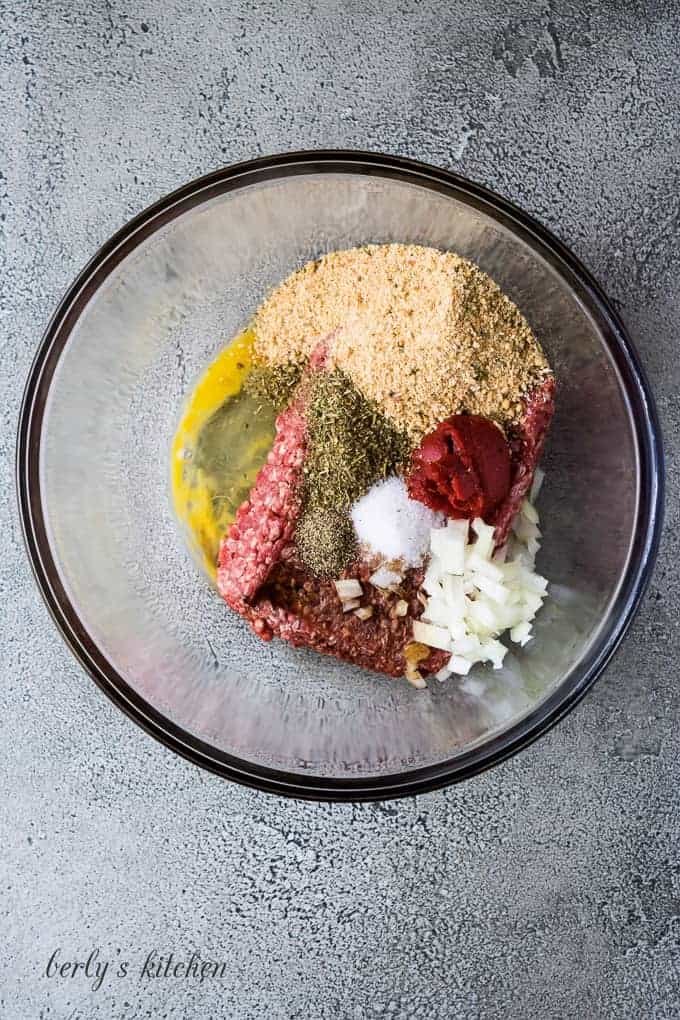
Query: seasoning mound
389, 523
422, 333
325, 541
351, 443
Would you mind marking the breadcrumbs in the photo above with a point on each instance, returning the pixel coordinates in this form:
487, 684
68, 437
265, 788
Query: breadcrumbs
424, 333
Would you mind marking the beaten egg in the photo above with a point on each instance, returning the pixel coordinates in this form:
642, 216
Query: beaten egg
221, 442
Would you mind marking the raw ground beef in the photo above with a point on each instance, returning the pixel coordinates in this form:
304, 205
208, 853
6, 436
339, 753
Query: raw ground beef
300, 608
263, 530
261, 576
526, 450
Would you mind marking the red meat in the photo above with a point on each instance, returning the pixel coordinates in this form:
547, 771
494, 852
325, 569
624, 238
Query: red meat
261, 576
265, 523
526, 449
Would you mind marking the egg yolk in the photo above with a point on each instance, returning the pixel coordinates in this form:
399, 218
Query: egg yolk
221, 442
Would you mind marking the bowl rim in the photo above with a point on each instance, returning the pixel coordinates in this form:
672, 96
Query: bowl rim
645, 422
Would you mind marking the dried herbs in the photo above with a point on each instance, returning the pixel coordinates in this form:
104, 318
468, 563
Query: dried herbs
351, 444
274, 385
325, 540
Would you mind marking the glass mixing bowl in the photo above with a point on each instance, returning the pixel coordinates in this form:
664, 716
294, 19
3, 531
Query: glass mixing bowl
118, 359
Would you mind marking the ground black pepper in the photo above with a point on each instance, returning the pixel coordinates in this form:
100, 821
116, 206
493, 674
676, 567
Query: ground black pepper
325, 541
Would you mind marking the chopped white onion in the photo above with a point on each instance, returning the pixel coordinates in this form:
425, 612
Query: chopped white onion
459, 665
468, 646
433, 576
459, 528
494, 651
458, 628
481, 617
454, 596
437, 611
536, 485
521, 633
525, 529
448, 545
496, 592
484, 533
532, 604
500, 555
348, 588
429, 634
477, 564
475, 593
383, 577
533, 545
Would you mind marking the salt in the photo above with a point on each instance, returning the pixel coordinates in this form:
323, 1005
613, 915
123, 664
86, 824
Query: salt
392, 524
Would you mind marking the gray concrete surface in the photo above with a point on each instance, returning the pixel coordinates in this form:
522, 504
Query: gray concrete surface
549, 888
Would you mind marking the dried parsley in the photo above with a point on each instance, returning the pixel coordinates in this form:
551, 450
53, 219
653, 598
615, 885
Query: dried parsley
274, 384
351, 444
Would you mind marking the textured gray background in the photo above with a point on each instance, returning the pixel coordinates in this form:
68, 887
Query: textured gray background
548, 888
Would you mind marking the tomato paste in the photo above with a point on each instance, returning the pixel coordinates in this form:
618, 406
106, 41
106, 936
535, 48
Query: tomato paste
463, 468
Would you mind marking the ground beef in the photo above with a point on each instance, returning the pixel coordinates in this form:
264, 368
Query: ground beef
265, 523
526, 449
261, 576
304, 610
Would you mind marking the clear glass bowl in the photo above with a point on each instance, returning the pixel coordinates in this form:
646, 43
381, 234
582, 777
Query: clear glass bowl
121, 354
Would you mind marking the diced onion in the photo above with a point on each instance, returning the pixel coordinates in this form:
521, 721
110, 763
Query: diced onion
348, 588
383, 577
429, 634
433, 576
477, 564
448, 545
495, 591
437, 611
521, 633
484, 533
458, 628
536, 485
494, 651
471, 593
533, 545
454, 596
468, 646
482, 617
457, 664
500, 555
459, 528
532, 604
